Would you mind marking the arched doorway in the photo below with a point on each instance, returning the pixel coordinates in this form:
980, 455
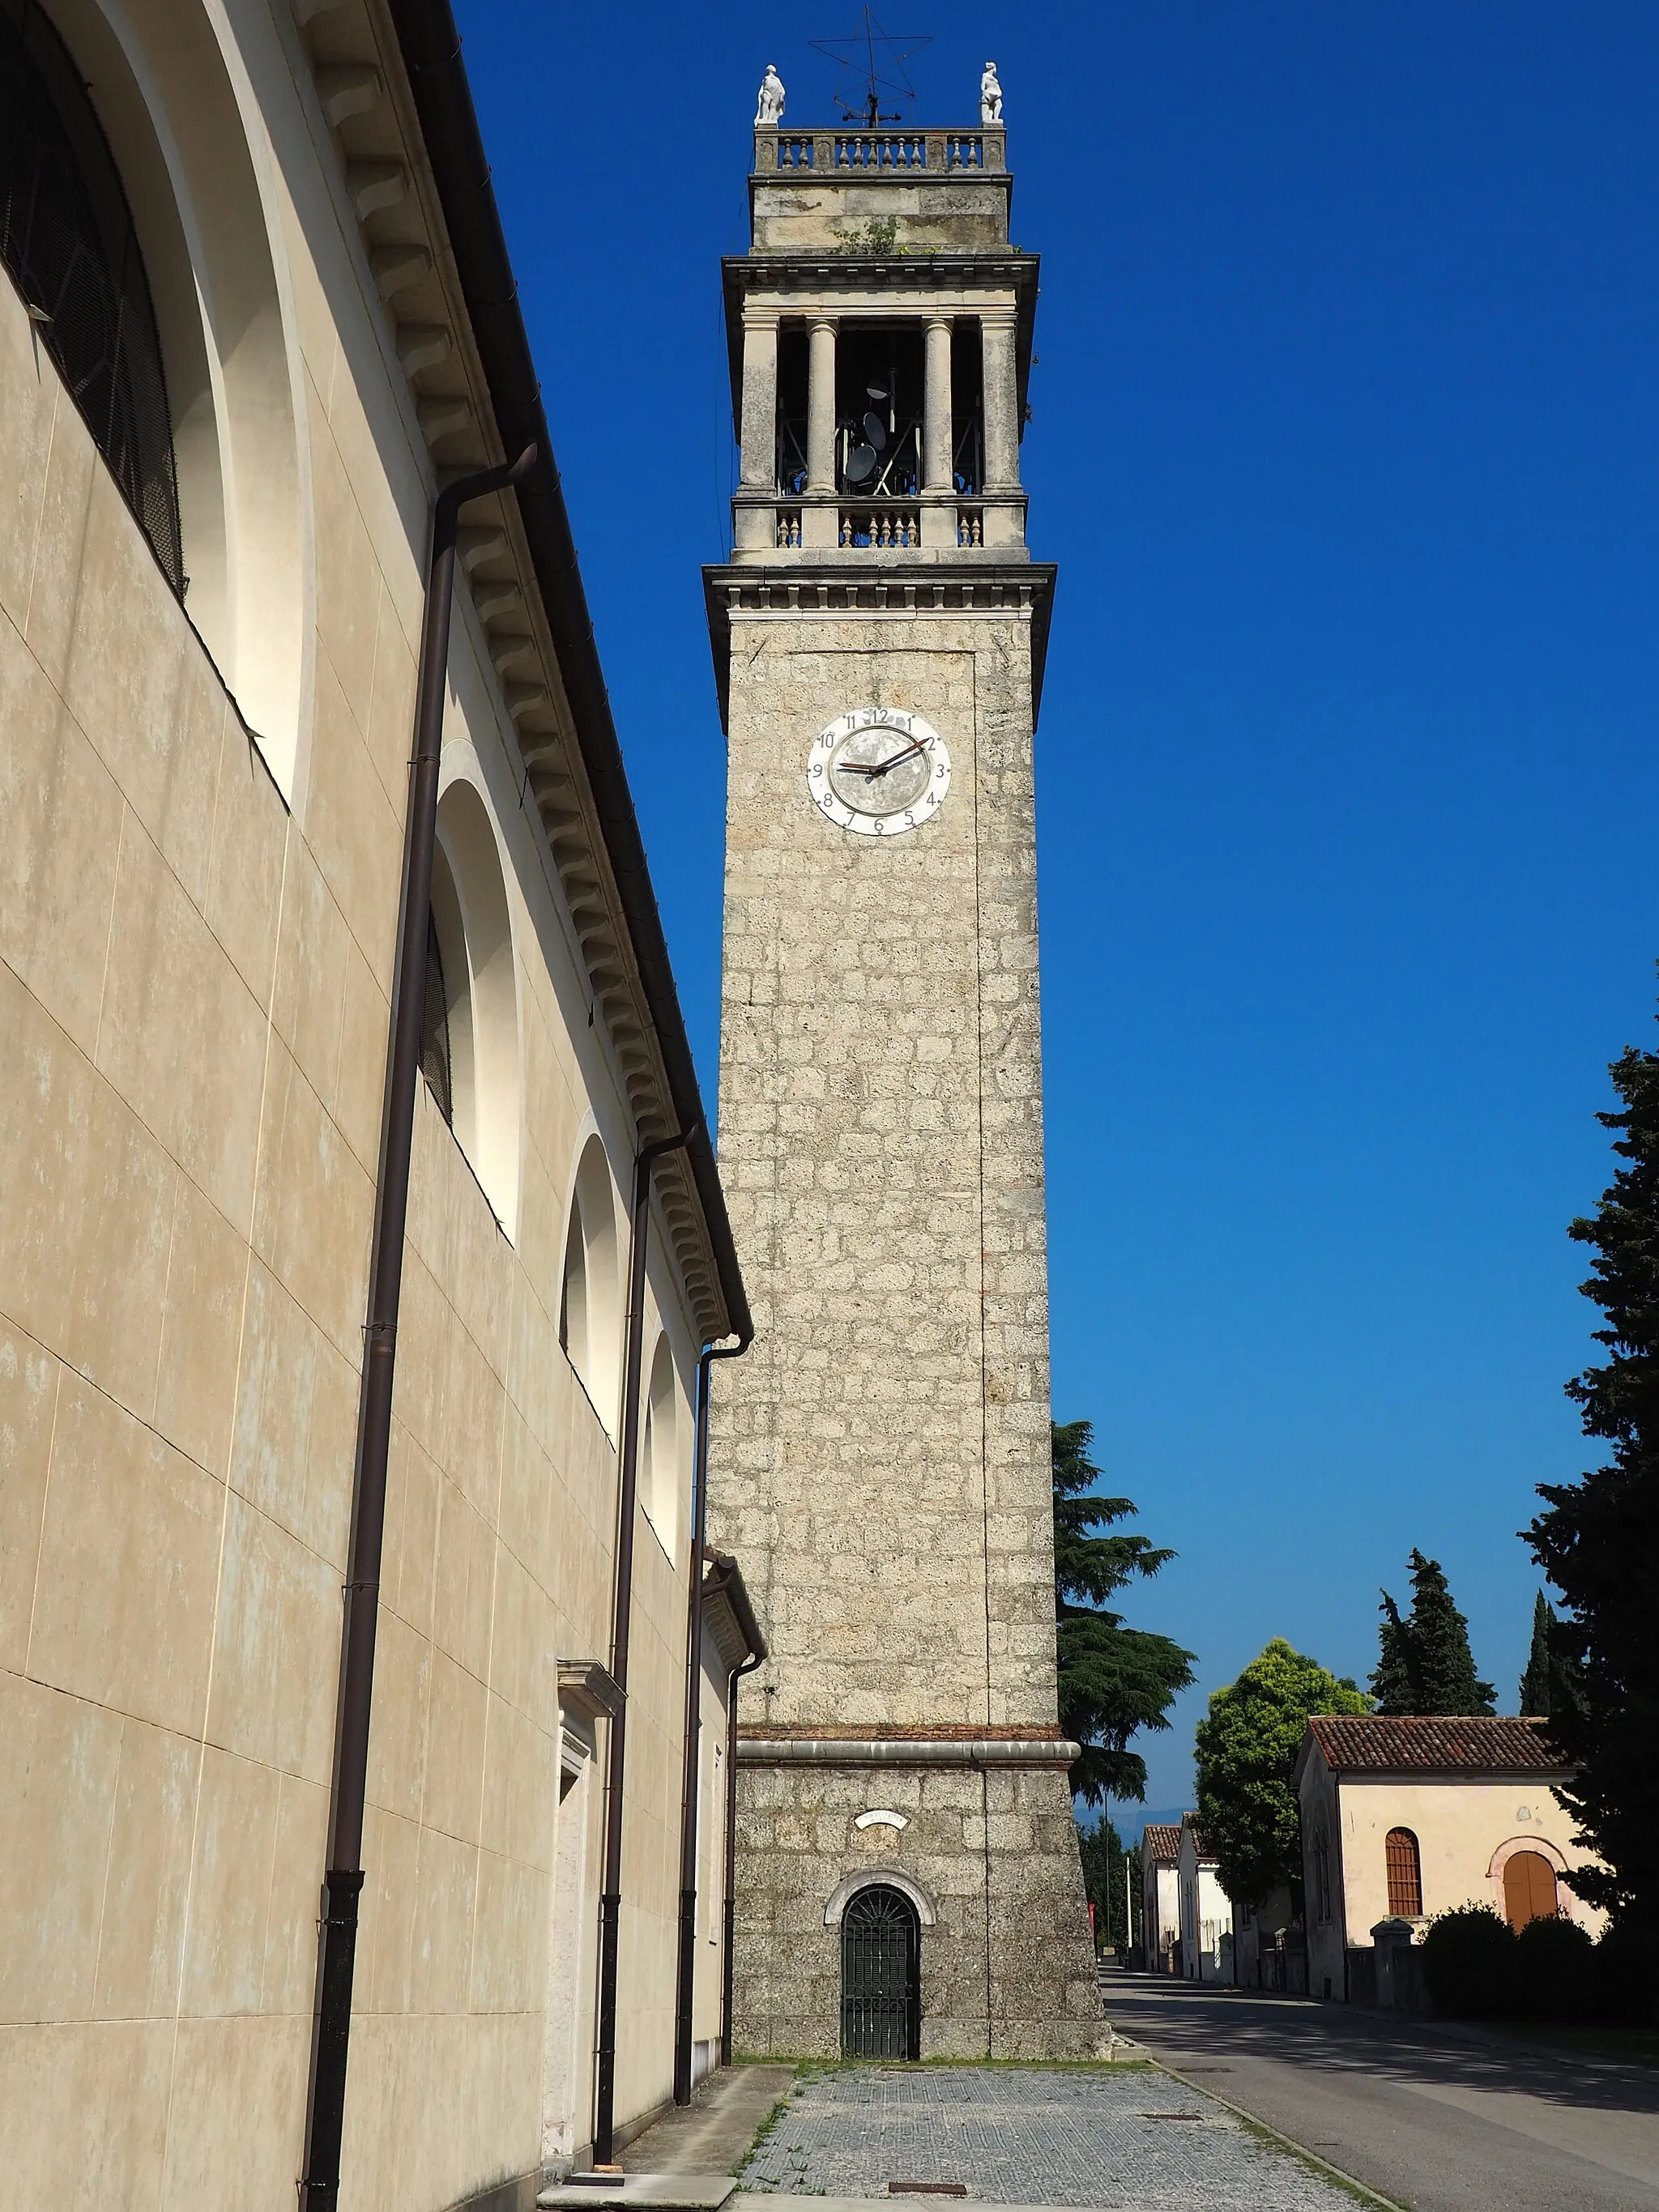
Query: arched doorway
881, 1976
1529, 1891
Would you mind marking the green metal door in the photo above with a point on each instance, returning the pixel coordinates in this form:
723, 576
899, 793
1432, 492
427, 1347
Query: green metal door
881, 1976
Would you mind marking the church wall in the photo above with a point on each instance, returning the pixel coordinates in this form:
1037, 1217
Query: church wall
193, 994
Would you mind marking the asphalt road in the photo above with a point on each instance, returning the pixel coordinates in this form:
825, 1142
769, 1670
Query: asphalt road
1438, 2124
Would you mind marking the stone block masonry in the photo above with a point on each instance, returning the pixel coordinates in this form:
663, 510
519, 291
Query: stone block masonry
882, 1452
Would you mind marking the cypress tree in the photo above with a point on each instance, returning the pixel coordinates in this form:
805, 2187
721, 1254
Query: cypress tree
1424, 1664
1535, 1683
1598, 1542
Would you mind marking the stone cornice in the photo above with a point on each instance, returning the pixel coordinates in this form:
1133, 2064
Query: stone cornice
913, 1746
413, 271
814, 588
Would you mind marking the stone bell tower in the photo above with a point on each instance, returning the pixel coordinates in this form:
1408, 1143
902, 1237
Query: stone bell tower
907, 1875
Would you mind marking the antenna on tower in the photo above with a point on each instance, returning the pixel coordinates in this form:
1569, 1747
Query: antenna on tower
862, 86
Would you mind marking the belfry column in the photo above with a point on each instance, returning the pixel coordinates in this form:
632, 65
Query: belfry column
755, 520
818, 525
940, 519
1002, 524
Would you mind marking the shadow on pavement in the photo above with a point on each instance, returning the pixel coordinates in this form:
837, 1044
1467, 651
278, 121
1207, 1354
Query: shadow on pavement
1173, 2017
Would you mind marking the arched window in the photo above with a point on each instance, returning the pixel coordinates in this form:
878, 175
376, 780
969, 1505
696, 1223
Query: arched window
435, 1061
67, 237
589, 1321
470, 1035
1405, 1866
1529, 1891
660, 1469
881, 1976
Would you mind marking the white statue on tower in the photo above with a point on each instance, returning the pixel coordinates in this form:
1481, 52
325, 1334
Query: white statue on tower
769, 108
990, 95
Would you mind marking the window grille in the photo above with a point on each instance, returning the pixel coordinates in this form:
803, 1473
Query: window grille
66, 236
1405, 1875
436, 1063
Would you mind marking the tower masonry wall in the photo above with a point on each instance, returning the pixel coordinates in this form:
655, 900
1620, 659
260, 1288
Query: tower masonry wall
1007, 1965
882, 1452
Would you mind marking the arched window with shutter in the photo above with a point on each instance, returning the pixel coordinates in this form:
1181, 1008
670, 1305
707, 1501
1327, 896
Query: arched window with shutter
1405, 1865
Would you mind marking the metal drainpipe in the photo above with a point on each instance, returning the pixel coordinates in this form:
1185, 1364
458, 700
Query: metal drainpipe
685, 1981
747, 1668
319, 2187
610, 1897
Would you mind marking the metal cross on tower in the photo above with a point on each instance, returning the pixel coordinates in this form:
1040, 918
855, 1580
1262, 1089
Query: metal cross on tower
856, 57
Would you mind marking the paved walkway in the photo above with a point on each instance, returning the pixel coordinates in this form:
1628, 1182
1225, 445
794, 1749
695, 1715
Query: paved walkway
1438, 2123
711, 2133
1030, 2136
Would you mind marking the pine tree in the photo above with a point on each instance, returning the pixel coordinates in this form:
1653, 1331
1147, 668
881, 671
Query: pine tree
1424, 1664
1537, 1685
1113, 1679
1393, 1685
1599, 1541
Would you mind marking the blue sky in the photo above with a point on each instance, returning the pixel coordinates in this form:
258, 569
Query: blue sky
1345, 438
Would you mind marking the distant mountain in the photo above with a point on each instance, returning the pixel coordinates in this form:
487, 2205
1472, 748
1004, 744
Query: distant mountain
1130, 1820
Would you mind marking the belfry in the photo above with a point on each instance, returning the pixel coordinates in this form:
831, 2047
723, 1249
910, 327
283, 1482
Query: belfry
908, 1881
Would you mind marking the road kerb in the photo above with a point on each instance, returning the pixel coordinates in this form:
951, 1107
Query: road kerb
1362, 2189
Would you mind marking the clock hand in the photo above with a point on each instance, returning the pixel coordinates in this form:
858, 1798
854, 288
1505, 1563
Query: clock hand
880, 767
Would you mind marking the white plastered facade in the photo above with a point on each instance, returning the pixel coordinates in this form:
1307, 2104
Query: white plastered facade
204, 811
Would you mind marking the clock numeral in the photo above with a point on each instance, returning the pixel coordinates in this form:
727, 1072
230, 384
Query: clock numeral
910, 817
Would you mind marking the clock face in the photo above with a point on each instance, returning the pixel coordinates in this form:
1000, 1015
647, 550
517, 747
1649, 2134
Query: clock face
878, 772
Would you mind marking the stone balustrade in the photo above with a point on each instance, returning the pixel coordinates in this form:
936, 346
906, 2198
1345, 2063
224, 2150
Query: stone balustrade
878, 153
880, 529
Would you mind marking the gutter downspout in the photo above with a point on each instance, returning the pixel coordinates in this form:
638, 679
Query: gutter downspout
319, 2186
610, 1896
685, 1979
747, 1668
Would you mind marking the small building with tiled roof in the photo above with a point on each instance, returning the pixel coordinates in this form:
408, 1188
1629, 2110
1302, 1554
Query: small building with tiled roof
1403, 1818
1207, 1912
1160, 1899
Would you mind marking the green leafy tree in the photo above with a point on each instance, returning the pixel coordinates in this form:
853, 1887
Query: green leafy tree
1247, 1748
1424, 1664
1598, 1542
1101, 1850
1114, 1681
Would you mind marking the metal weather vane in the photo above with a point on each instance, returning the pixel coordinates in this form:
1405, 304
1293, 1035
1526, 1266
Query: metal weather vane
856, 57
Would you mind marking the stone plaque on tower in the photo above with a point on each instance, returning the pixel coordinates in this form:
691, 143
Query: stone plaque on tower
907, 1873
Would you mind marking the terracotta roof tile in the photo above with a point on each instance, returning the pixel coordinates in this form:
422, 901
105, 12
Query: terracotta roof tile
1435, 1744
1161, 1841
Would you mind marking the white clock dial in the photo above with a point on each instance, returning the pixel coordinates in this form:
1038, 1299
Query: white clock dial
878, 771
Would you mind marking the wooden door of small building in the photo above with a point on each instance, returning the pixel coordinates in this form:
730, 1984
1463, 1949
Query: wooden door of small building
1529, 1891
881, 1976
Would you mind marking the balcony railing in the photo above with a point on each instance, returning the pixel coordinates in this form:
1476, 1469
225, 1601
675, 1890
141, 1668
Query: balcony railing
880, 529
878, 153
880, 149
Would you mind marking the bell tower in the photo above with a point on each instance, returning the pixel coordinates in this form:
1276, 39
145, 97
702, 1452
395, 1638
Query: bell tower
908, 1874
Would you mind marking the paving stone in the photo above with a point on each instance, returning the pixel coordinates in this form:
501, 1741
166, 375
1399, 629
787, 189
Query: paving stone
1030, 2137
